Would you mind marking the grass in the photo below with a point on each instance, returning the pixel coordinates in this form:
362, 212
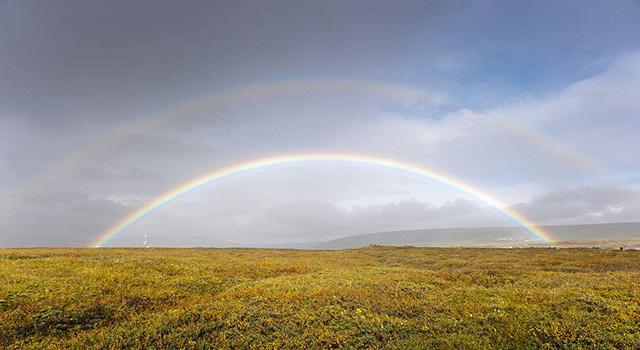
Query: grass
372, 298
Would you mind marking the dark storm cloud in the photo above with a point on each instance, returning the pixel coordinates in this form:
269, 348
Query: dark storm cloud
138, 146
90, 60
604, 203
57, 219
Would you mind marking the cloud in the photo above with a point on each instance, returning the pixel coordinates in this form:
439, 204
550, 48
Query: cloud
586, 128
57, 219
286, 219
413, 211
584, 204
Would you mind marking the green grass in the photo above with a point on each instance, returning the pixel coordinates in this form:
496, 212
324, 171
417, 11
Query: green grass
376, 298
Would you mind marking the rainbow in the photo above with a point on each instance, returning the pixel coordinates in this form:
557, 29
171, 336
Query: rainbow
553, 146
217, 100
248, 166
267, 89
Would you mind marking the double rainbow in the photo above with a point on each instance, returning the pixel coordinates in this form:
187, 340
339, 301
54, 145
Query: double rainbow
236, 96
120, 227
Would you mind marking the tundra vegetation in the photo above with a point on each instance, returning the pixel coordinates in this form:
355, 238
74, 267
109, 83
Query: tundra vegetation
370, 298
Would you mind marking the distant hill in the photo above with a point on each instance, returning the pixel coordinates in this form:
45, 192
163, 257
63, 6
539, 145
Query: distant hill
488, 236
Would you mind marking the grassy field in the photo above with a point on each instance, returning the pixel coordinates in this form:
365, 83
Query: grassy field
375, 298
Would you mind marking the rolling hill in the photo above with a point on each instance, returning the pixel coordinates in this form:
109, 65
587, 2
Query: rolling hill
490, 236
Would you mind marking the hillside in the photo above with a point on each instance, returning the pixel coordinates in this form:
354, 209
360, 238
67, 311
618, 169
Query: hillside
491, 236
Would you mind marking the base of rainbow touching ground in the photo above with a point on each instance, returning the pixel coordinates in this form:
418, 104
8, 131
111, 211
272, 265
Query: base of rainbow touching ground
245, 167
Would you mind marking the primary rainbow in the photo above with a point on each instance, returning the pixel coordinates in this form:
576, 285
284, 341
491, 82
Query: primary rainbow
130, 220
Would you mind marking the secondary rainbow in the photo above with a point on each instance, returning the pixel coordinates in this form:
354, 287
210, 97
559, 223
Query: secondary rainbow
214, 100
244, 167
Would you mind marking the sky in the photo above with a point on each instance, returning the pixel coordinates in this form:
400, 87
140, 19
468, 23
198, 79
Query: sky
105, 105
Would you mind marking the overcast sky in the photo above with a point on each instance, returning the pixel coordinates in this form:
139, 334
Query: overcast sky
106, 105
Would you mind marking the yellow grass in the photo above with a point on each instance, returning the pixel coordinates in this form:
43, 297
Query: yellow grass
375, 298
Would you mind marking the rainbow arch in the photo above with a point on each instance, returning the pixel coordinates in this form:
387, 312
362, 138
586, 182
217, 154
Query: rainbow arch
218, 99
245, 167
